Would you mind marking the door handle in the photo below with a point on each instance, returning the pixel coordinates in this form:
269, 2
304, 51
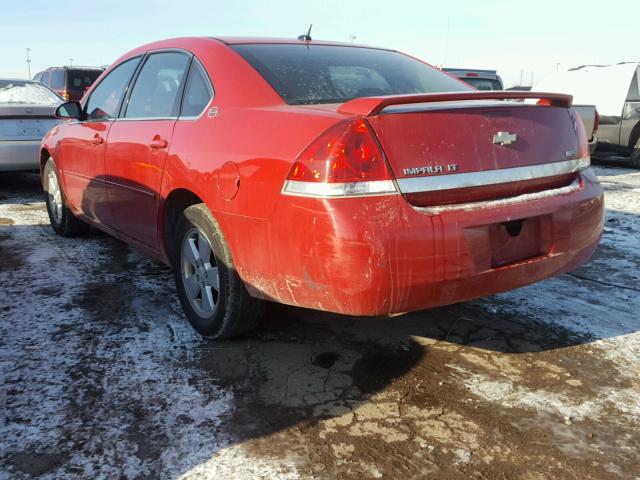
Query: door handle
158, 142
97, 139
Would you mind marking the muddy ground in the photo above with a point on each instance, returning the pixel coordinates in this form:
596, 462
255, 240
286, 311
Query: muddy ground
101, 376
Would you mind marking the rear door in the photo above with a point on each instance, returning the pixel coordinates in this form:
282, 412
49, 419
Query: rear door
138, 145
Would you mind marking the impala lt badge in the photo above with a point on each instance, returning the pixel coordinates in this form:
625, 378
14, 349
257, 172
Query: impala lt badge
431, 169
504, 138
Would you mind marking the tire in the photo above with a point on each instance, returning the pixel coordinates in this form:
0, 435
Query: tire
635, 155
64, 222
212, 294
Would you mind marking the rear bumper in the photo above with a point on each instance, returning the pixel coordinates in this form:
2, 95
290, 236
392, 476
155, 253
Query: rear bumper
380, 255
19, 155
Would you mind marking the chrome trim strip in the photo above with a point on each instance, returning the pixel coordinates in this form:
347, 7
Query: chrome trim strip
490, 177
337, 190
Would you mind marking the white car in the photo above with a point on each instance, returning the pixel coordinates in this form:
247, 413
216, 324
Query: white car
26, 114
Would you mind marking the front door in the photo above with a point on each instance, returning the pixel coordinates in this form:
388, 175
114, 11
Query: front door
138, 145
82, 151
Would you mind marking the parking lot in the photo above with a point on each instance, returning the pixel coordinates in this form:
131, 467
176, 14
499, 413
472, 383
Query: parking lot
102, 377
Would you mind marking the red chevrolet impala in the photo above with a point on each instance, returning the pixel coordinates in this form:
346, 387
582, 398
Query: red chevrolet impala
330, 176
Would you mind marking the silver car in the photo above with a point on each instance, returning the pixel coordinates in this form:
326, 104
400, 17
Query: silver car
26, 114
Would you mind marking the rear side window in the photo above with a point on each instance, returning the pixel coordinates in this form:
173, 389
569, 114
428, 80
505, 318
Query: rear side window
57, 79
308, 74
198, 92
104, 102
45, 77
80, 80
156, 93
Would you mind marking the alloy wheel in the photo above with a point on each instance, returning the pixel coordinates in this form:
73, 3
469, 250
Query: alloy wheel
54, 195
200, 274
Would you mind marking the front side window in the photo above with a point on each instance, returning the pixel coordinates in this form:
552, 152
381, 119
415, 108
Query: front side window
156, 93
198, 92
57, 79
104, 102
309, 74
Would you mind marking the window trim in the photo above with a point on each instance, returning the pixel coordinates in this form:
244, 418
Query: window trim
126, 90
213, 91
125, 101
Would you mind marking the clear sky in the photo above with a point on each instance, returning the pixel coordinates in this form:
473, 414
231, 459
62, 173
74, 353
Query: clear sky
510, 36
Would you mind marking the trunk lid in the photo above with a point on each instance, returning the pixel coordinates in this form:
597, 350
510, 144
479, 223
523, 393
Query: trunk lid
26, 122
458, 147
491, 139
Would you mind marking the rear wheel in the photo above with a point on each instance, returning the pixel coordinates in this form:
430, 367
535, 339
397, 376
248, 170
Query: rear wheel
211, 292
62, 220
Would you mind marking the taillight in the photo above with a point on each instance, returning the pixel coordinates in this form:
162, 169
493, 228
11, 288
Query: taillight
344, 161
65, 95
583, 154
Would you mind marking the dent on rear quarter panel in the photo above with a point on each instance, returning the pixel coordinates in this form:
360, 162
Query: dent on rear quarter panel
324, 253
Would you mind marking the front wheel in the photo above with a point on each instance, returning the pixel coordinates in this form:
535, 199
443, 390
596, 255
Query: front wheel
62, 220
635, 155
211, 292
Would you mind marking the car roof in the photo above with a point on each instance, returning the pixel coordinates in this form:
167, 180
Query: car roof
79, 67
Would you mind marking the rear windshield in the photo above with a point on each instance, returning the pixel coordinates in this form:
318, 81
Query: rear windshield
483, 83
20, 91
311, 74
81, 79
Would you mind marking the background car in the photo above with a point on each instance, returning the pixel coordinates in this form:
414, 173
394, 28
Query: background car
478, 79
26, 114
614, 90
69, 82
343, 178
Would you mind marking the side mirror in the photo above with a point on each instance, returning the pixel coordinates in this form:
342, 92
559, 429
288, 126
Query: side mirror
70, 110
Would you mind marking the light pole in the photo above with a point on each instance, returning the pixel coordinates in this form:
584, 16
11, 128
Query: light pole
28, 63
71, 62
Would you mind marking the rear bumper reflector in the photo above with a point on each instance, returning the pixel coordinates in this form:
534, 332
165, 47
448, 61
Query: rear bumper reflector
334, 190
490, 177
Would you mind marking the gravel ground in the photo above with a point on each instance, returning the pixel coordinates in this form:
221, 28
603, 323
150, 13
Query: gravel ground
101, 376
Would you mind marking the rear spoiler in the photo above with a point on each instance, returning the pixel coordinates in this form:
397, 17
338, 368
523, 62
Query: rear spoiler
367, 106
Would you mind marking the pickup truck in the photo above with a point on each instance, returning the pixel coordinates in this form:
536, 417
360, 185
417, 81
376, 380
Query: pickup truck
614, 90
591, 119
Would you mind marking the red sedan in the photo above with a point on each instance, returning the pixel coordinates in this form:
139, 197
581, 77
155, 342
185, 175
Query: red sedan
330, 176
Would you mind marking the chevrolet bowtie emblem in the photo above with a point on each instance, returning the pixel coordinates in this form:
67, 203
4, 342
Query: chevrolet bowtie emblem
504, 138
